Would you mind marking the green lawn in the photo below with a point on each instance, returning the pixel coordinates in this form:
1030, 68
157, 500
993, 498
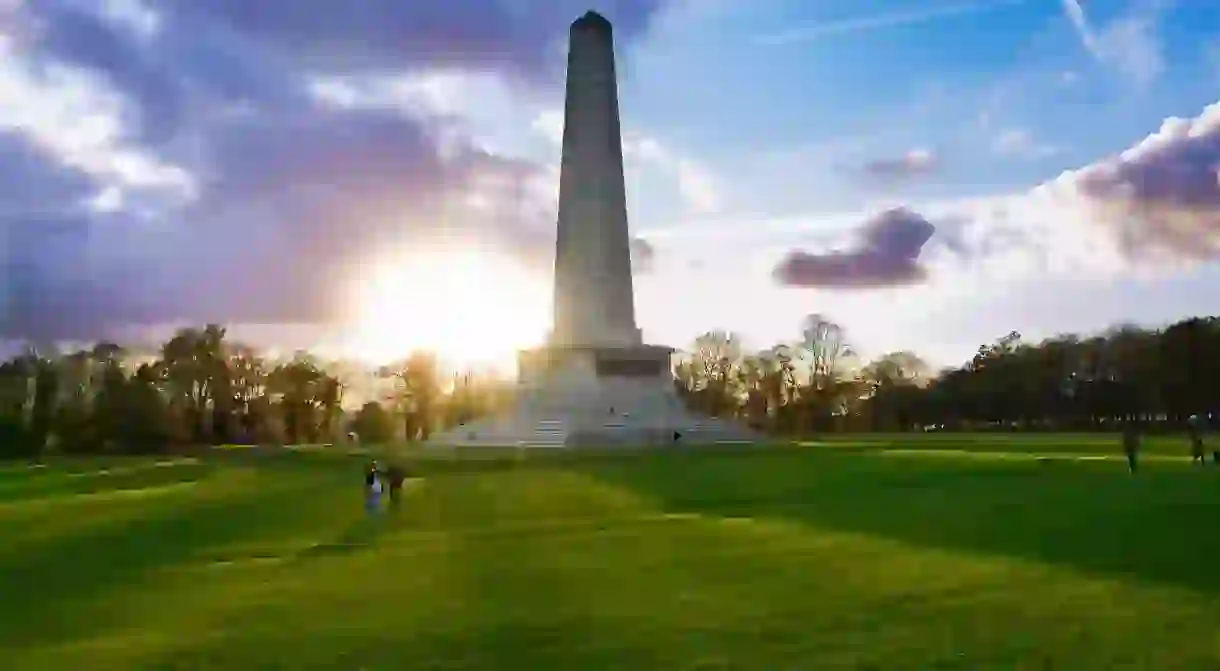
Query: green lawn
881, 554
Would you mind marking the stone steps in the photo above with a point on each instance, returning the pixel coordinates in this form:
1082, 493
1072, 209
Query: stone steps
534, 428
547, 433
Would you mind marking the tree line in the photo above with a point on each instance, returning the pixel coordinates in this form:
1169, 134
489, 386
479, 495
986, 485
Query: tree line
1157, 377
201, 388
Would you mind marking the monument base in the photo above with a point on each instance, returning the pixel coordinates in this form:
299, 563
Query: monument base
595, 397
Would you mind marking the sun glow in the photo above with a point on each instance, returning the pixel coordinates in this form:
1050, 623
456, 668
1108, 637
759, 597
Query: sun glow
470, 307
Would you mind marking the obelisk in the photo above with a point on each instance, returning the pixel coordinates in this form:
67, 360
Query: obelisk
594, 298
595, 383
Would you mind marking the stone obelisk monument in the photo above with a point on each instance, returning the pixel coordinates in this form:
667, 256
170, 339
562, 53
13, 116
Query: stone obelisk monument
595, 383
594, 300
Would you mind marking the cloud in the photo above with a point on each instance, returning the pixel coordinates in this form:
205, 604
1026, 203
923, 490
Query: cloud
887, 254
1161, 197
698, 188
914, 163
695, 183
378, 34
1019, 142
1130, 43
175, 162
1147, 210
643, 256
882, 21
549, 124
70, 115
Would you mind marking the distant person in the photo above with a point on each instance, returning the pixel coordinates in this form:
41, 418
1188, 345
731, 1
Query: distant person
1196, 448
372, 488
1131, 445
1195, 431
395, 476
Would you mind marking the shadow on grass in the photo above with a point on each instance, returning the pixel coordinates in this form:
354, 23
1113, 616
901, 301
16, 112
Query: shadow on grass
1093, 516
76, 572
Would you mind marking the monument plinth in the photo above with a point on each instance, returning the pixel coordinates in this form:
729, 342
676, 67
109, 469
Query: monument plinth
595, 383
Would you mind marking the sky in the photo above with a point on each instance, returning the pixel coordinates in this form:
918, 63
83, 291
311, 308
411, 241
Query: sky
372, 176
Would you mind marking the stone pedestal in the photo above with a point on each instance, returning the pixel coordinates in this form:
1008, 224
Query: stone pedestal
595, 397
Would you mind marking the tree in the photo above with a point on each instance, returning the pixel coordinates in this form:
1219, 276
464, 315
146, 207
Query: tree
418, 392
145, 413
200, 388
373, 423
17, 379
893, 384
823, 346
247, 387
44, 402
195, 374
109, 414
712, 362
302, 389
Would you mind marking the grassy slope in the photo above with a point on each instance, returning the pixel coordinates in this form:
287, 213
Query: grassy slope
813, 559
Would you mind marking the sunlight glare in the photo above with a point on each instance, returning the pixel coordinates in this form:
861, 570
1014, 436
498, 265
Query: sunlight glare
472, 308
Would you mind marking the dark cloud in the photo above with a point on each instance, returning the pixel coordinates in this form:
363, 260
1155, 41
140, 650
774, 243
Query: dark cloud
279, 233
30, 184
384, 33
643, 256
292, 195
887, 255
1161, 197
86, 40
914, 163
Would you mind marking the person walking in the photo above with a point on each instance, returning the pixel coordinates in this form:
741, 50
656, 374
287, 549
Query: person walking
1195, 431
372, 488
395, 476
1131, 446
1196, 449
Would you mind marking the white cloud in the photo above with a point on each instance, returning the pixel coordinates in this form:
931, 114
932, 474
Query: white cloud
549, 124
1020, 142
461, 108
137, 16
918, 161
696, 184
78, 120
1145, 212
108, 200
428, 92
1161, 198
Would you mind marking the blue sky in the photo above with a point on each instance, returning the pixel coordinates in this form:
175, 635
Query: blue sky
172, 162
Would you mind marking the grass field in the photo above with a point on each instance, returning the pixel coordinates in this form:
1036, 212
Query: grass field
874, 553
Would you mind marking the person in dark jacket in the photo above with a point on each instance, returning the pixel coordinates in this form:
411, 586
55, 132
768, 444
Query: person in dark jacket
1131, 445
395, 476
1194, 428
1196, 448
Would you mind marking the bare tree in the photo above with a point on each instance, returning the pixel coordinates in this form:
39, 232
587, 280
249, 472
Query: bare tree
823, 346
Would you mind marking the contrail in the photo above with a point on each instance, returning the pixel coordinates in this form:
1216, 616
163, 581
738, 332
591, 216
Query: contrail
1134, 49
1075, 13
892, 20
